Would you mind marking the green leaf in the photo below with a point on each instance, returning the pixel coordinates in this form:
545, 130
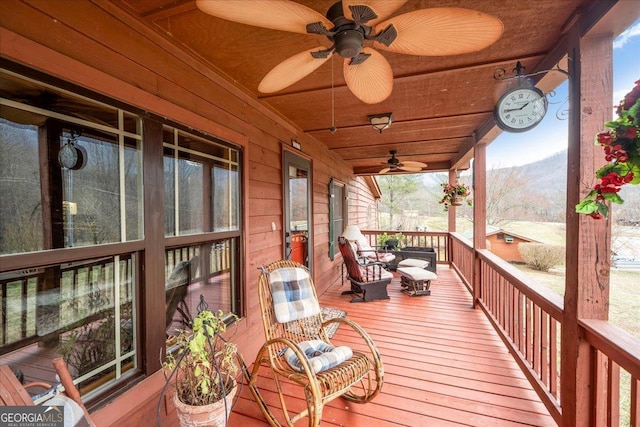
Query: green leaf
586, 206
634, 112
613, 197
605, 170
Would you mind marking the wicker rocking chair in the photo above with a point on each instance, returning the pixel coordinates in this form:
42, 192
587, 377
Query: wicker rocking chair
358, 378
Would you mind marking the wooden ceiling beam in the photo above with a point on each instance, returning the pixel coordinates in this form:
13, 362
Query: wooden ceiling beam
164, 12
501, 63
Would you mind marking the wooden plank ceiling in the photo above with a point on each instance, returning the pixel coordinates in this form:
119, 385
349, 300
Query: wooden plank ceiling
438, 103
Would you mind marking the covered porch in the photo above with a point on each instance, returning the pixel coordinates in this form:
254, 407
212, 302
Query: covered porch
444, 365
160, 87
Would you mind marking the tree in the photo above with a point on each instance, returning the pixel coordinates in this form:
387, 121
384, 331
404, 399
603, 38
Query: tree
508, 195
397, 191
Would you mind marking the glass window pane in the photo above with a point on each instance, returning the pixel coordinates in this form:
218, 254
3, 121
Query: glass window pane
21, 207
78, 311
205, 270
226, 193
91, 195
133, 189
190, 196
169, 192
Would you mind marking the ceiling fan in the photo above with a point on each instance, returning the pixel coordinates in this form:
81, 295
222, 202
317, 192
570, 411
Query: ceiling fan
393, 164
348, 24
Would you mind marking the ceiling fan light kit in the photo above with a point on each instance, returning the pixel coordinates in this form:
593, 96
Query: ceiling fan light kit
394, 165
381, 122
348, 25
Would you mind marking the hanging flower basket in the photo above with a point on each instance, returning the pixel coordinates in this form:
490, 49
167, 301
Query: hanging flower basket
457, 200
455, 195
621, 144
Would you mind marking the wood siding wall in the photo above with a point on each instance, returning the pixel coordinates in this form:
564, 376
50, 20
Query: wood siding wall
506, 251
97, 46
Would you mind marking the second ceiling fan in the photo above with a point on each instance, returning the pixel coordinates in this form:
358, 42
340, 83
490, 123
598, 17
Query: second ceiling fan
348, 24
394, 164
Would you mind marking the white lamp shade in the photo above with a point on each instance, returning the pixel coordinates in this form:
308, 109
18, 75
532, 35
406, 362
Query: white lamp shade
352, 233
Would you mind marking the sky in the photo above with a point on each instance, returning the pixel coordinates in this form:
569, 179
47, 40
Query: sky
550, 136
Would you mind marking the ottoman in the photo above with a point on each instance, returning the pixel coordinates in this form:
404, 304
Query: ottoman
415, 280
411, 262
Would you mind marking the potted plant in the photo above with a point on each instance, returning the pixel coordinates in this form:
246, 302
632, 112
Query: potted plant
203, 366
621, 144
454, 195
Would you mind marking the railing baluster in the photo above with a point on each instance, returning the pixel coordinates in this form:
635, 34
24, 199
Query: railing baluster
544, 348
613, 394
554, 374
635, 401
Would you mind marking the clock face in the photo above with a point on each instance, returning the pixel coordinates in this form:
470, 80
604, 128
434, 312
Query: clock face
71, 156
520, 109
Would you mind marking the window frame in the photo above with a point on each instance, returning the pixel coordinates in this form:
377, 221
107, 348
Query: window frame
333, 234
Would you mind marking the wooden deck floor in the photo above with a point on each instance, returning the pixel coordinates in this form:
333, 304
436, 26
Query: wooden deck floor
444, 365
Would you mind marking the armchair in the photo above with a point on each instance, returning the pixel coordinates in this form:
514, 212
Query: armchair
353, 234
368, 281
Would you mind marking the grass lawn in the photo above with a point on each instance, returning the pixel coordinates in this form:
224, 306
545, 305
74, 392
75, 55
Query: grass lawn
624, 295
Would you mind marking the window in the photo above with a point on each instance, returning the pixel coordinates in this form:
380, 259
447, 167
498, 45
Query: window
202, 198
72, 233
78, 310
70, 176
337, 214
191, 165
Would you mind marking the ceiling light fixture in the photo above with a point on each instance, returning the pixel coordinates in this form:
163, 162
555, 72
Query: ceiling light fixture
381, 122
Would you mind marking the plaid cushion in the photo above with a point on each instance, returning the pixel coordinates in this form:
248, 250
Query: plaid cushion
320, 355
292, 294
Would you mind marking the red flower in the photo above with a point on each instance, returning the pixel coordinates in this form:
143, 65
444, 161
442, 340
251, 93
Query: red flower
631, 97
612, 182
605, 138
620, 145
631, 133
615, 152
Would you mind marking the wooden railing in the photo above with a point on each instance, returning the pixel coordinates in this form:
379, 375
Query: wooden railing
431, 239
529, 319
613, 349
462, 259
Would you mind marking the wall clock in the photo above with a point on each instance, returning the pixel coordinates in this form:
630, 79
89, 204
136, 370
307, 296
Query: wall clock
72, 156
520, 109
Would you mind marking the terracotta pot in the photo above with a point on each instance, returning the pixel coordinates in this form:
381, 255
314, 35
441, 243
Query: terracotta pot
212, 415
457, 200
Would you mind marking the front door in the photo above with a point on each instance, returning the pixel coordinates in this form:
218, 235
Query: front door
297, 209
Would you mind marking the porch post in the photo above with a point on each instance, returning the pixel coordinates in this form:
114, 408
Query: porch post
588, 240
452, 209
479, 212
153, 292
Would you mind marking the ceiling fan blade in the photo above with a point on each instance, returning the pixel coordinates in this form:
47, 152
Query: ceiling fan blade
291, 70
273, 14
414, 164
385, 170
382, 8
370, 81
411, 168
442, 31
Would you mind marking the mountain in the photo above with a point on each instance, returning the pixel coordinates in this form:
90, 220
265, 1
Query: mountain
547, 175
